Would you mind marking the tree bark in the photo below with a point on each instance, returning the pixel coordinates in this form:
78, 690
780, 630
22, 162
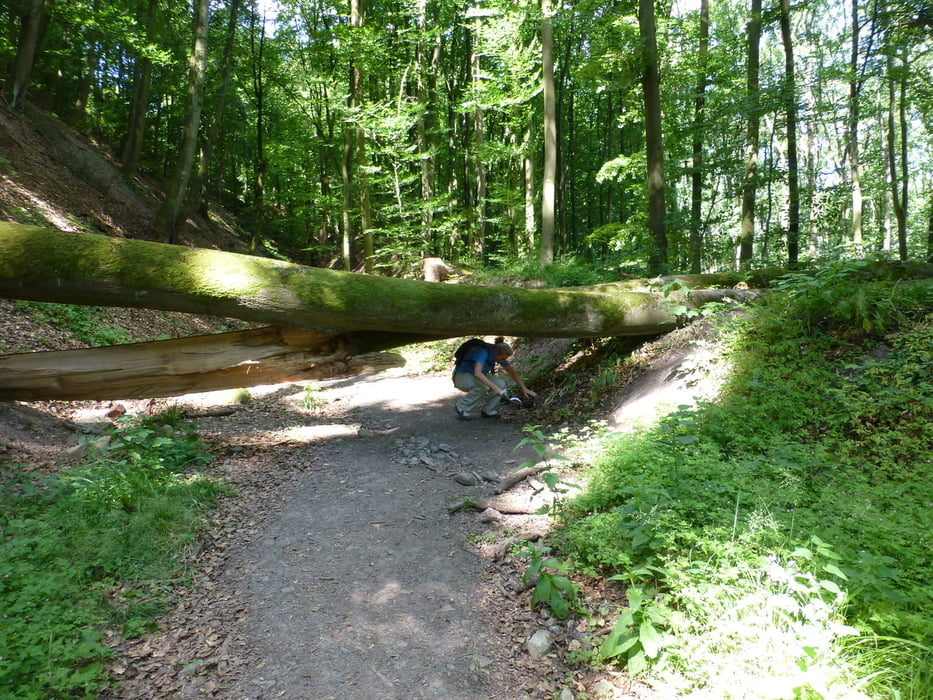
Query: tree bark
549, 179
852, 128
167, 218
33, 23
750, 184
203, 363
139, 104
793, 172
699, 116
46, 265
651, 85
198, 189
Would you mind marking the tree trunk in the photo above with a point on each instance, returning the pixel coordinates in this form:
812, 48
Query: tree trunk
930, 230
549, 181
269, 355
357, 11
259, 163
167, 218
46, 265
651, 85
139, 105
853, 140
793, 173
699, 111
33, 24
750, 183
198, 189
897, 155
427, 123
528, 187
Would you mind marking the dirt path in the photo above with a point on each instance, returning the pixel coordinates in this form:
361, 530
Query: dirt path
342, 574
362, 585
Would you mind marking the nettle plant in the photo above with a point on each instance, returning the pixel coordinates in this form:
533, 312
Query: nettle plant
548, 574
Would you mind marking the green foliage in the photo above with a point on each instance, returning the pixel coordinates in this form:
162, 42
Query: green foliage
552, 587
310, 399
837, 294
787, 520
637, 635
86, 323
93, 546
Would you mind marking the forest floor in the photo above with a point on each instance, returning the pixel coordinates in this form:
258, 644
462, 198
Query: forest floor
337, 570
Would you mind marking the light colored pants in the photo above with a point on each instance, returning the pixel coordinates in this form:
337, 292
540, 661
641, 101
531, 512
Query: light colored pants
477, 393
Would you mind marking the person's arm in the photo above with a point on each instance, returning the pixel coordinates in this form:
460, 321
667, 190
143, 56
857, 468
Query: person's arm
518, 380
478, 373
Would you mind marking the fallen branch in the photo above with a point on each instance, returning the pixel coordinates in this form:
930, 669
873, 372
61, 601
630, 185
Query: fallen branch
503, 504
519, 476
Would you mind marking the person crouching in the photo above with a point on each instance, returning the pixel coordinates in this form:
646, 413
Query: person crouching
475, 376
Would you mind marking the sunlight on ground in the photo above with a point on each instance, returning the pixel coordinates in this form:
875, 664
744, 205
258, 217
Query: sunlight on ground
52, 215
315, 433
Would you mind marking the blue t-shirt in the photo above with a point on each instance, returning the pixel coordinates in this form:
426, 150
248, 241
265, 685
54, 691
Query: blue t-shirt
482, 354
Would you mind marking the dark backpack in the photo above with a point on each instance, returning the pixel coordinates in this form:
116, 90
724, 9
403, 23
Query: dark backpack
465, 347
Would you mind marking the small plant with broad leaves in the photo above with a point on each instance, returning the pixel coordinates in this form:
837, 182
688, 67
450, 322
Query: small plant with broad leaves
638, 634
552, 587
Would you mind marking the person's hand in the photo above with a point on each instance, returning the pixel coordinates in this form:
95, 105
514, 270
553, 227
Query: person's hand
529, 392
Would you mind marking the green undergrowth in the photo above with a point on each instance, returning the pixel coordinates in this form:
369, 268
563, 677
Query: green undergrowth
88, 324
777, 543
94, 548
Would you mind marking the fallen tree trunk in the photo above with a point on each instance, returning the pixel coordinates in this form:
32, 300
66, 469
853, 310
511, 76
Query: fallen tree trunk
202, 363
46, 265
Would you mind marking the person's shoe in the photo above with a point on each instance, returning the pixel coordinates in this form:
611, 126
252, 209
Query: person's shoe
494, 416
461, 415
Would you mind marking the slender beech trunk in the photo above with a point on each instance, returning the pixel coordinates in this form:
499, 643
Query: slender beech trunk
897, 155
814, 234
357, 17
549, 183
139, 105
905, 163
853, 141
528, 180
930, 230
651, 87
750, 181
167, 218
479, 136
699, 115
33, 23
199, 188
427, 124
793, 172
260, 164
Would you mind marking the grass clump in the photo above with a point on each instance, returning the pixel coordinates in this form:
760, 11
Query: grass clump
776, 543
92, 548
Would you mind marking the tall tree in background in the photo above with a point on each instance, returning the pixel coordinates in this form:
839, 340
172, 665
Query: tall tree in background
699, 116
897, 147
428, 62
790, 106
651, 87
167, 218
852, 128
199, 187
257, 40
33, 21
479, 134
549, 181
139, 103
752, 107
